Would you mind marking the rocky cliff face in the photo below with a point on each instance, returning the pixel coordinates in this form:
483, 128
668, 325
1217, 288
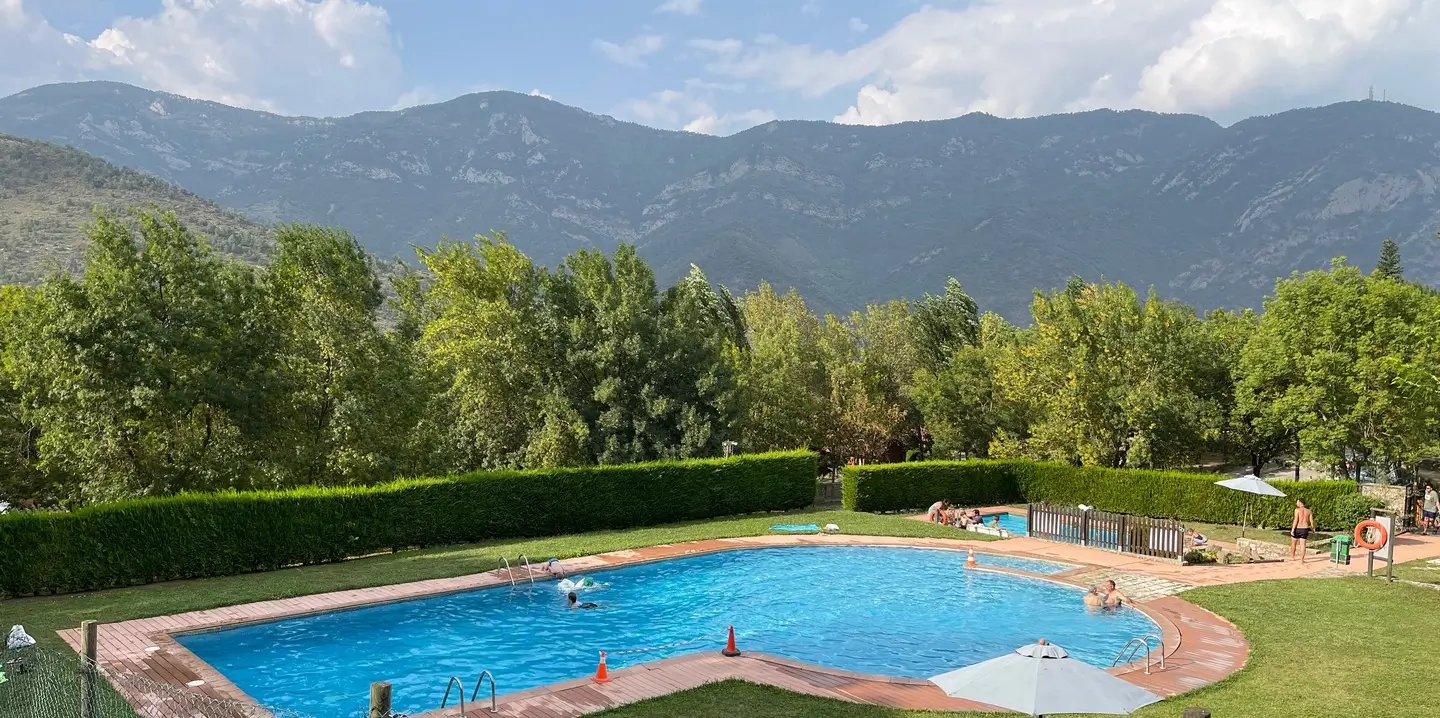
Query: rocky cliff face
846, 214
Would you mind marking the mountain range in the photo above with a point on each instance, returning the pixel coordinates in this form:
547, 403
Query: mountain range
845, 214
47, 192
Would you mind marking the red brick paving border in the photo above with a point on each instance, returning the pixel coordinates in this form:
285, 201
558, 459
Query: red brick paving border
1201, 648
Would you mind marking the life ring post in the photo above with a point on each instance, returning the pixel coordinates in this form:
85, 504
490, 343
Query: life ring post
1363, 542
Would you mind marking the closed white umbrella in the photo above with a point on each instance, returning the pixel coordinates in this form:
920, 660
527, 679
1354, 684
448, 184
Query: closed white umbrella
1042, 679
1250, 484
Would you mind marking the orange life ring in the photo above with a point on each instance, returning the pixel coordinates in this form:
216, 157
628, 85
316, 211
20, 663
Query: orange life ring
1360, 535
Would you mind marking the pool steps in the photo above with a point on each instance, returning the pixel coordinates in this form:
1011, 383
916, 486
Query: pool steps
1134, 646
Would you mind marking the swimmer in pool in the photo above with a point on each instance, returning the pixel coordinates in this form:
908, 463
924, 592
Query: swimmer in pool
1113, 597
575, 602
1093, 598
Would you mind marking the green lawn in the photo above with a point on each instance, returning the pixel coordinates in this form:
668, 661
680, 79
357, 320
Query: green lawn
43, 615
1320, 647
1425, 570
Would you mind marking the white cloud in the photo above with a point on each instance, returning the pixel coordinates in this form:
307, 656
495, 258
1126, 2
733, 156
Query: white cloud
811, 8
633, 52
1226, 58
858, 25
239, 52
538, 93
728, 123
694, 109
680, 7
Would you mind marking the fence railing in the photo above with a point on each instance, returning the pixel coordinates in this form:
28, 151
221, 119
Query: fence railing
827, 490
1138, 535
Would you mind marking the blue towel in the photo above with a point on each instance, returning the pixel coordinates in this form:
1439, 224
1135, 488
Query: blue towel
795, 528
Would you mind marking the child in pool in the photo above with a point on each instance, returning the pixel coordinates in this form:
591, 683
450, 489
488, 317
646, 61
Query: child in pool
575, 602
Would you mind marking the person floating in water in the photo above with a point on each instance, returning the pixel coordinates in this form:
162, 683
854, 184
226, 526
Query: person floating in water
575, 602
1093, 599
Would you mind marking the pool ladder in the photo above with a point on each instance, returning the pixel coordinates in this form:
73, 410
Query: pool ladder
454, 682
510, 572
1133, 646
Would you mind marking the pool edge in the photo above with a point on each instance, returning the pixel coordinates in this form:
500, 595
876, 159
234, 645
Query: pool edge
174, 664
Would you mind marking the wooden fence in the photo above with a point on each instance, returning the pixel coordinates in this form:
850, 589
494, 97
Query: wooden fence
1138, 535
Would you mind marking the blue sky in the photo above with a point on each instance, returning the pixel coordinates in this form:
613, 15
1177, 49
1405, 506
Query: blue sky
721, 65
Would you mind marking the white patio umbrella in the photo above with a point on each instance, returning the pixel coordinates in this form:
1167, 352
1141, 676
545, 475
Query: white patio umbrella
1250, 484
1042, 679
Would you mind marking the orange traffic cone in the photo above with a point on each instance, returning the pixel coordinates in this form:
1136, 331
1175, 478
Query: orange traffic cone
970, 560
601, 674
730, 650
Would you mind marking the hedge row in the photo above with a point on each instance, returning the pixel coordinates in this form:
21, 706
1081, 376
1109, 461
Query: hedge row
1159, 494
198, 535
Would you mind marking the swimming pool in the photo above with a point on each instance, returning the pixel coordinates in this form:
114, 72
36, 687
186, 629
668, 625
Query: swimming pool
1016, 524
892, 611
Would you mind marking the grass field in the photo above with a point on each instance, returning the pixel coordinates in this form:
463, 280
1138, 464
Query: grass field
1426, 570
42, 616
1321, 648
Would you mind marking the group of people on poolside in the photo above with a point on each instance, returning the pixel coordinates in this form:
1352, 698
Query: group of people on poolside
947, 515
1112, 597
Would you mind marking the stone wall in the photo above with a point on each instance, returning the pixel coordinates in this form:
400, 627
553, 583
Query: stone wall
1393, 496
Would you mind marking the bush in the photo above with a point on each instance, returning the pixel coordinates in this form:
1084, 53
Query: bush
1354, 508
1159, 494
1197, 556
199, 535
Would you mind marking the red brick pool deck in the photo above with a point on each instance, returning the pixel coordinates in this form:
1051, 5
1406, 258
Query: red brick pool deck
1201, 648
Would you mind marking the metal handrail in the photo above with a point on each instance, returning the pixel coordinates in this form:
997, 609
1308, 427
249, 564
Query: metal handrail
511, 571
480, 682
529, 573
456, 682
1160, 644
1132, 646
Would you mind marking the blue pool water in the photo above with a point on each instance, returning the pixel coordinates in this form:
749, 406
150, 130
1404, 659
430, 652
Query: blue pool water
1016, 524
893, 611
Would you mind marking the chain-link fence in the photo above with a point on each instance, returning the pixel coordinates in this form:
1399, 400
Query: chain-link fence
41, 683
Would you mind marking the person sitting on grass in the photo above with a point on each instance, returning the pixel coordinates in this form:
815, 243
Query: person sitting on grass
937, 512
1198, 540
1113, 597
975, 519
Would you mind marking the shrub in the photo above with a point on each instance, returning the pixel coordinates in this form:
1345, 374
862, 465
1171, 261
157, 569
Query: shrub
1160, 494
198, 535
1197, 556
1354, 508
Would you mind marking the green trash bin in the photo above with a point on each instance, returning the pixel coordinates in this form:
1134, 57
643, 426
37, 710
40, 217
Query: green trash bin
1340, 549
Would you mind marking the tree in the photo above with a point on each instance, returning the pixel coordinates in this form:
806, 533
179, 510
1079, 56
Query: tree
1241, 397
866, 415
21, 479
484, 351
784, 391
945, 324
1340, 356
150, 373
348, 409
1115, 381
1389, 265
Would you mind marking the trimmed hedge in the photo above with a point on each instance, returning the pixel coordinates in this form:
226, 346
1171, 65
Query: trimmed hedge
1159, 494
199, 535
